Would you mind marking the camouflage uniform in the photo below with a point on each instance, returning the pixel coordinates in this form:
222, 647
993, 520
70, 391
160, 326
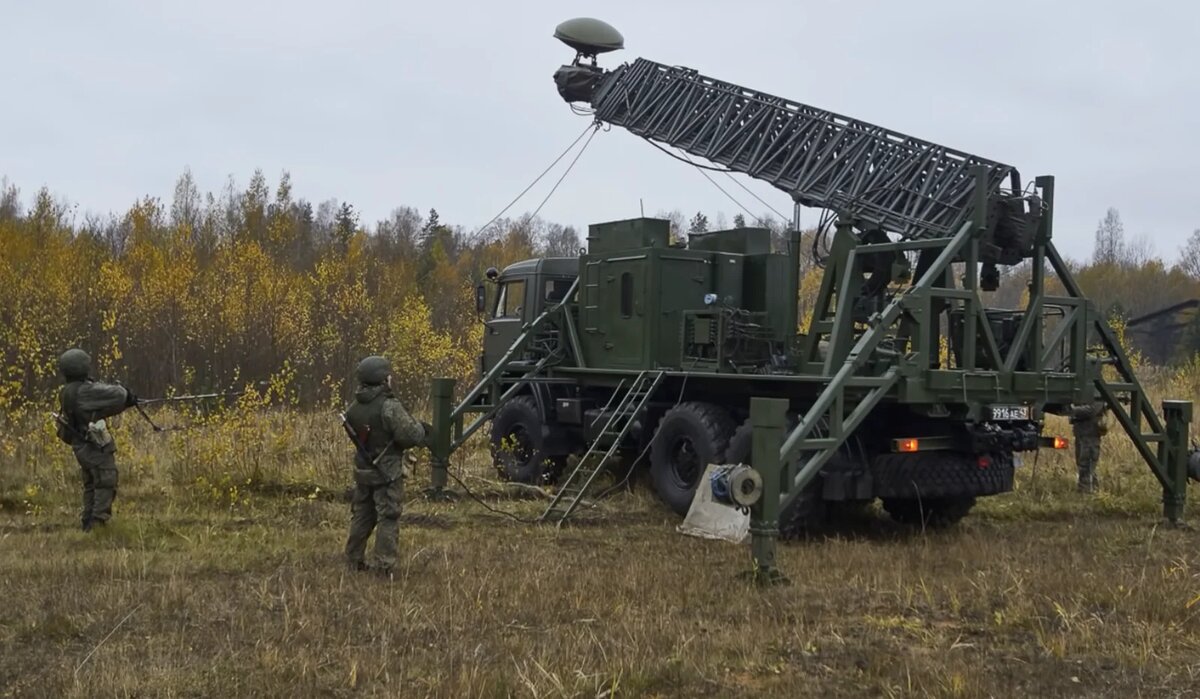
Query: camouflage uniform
1089, 426
386, 429
83, 404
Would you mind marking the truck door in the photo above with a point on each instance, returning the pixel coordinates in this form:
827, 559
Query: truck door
624, 310
507, 318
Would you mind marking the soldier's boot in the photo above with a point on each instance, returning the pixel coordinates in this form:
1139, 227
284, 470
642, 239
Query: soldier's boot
1088, 483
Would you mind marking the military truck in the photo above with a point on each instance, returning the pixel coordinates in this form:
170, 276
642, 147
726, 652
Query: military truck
903, 386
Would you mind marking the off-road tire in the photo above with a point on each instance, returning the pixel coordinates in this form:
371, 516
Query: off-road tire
519, 421
688, 438
937, 488
935, 513
940, 474
807, 514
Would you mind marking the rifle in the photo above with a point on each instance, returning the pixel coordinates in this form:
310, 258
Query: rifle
60, 419
359, 445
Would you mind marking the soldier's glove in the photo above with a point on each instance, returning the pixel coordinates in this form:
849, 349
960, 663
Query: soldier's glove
130, 399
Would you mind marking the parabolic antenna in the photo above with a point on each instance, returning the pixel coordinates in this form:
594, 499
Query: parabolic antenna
590, 37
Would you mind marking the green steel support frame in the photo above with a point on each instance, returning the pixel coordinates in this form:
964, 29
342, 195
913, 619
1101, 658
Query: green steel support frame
1066, 366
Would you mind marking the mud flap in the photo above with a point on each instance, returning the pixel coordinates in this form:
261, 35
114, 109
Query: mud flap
708, 519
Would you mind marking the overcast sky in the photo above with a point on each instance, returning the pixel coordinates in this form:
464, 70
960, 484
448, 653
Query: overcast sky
451, 105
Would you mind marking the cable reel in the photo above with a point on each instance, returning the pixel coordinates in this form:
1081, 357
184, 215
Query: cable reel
736, 485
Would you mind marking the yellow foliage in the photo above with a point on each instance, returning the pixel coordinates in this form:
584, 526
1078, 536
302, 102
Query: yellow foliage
245, 290
810, 286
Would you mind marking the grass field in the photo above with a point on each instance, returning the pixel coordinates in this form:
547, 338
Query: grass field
222, 576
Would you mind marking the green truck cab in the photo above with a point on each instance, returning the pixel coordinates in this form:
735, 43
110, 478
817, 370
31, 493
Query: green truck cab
524, 290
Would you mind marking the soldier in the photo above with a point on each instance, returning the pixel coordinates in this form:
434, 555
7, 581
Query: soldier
84, 405
382, 429
1089, 425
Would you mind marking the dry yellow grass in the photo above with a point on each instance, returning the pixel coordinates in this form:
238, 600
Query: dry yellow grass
222, 577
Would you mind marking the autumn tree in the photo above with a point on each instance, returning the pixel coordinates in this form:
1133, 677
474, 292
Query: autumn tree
561, 241
1189, 255
1110, 239
10, 200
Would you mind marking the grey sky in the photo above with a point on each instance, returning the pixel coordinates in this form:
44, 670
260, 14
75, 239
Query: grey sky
451, 105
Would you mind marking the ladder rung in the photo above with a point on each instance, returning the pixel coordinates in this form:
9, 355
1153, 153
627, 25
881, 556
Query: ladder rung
615, 427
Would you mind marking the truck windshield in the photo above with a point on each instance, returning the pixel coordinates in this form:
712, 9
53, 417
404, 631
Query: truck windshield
511, 300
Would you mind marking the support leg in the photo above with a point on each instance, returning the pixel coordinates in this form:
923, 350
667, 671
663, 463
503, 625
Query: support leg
769, 418
441, 400
1178, 416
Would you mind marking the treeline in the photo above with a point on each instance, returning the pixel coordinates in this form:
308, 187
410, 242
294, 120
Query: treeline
211, 290
1125, 278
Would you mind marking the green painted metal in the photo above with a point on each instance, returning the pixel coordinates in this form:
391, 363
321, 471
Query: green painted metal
510, 374
1174, 452
769, 417
589, 36
441, 401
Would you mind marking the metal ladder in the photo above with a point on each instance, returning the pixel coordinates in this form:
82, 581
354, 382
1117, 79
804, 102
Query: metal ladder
600, 453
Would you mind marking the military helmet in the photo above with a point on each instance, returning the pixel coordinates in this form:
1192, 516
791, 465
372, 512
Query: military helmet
373, 370
75, 364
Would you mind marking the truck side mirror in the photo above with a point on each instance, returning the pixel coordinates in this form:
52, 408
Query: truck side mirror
480, 298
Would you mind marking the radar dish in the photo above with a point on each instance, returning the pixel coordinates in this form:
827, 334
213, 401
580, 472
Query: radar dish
590, 37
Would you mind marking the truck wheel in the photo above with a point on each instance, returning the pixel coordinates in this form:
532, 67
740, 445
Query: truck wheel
518, 433
935, 513
689, 437
807, 514
930, 475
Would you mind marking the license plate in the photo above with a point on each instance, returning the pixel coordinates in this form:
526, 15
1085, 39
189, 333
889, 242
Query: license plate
1009, 413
